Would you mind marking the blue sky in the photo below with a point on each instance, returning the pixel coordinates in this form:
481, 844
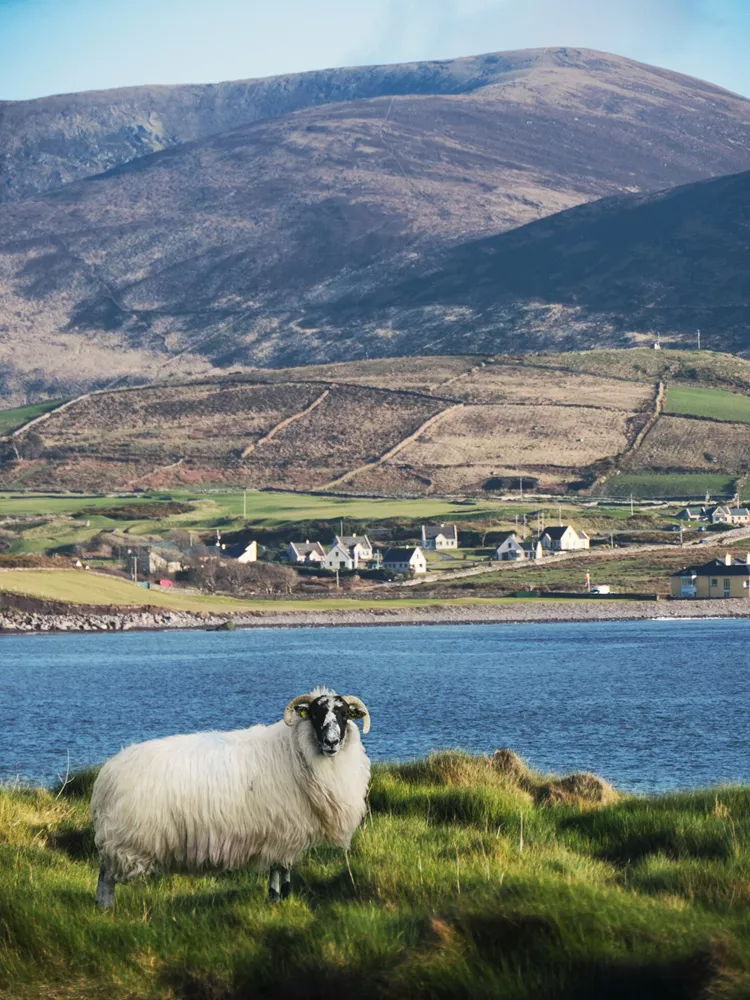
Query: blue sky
58, 46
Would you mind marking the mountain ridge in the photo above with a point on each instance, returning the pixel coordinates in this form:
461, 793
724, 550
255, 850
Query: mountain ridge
247, 247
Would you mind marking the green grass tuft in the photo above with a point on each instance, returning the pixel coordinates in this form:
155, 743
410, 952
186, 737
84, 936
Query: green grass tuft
440, 896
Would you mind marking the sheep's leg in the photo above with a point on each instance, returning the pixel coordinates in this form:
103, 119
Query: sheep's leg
105, 890
274, 880
286, 882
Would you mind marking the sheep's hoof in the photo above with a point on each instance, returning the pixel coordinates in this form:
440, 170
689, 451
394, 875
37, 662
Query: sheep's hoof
274, 895
286, 890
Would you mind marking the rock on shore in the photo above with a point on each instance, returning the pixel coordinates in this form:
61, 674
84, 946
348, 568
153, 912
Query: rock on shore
13, 620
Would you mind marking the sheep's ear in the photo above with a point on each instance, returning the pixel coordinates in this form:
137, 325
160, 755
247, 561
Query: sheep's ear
299, 706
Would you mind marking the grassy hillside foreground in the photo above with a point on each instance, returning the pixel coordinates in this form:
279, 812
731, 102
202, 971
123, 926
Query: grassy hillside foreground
469, 879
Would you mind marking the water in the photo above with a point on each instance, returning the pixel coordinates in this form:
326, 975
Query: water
648, 705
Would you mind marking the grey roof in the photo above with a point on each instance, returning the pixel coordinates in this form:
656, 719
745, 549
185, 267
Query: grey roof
717, 567
739, 511
304, 548
433, 530
351, 540
503, 536
399, 555
557, 532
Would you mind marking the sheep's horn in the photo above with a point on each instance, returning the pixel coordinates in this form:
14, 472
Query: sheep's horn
289, 710
361, 710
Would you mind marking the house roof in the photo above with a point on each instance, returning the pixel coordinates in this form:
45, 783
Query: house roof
304, 548
503, 536
433, 530
351, 540
739, 512
558, 532
400, 555
717, 567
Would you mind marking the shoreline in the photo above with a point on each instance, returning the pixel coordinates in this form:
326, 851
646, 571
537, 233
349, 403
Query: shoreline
15, 622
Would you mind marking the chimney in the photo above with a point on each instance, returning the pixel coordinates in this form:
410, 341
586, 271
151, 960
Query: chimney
728, 559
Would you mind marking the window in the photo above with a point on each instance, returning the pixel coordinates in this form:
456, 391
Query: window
727, 586
714, 582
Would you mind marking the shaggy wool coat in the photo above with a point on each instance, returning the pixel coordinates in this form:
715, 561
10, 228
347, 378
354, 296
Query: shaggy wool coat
259, 796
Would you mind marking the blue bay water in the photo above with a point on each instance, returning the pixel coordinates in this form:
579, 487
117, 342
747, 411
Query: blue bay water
648, 705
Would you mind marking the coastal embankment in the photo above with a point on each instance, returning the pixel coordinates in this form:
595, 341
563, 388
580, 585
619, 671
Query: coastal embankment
28, 618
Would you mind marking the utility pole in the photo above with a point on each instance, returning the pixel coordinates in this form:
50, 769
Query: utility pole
524, 526
631, 505
611, 539
520, 485
559, 515
681, 526
337, 578
699, 340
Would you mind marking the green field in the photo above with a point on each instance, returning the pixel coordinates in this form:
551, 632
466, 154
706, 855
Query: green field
82, 587
441, 897
666, 484
11, 420
718, 404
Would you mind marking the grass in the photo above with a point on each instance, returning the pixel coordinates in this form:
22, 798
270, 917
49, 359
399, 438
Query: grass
81, 587
648, 485
440, 897
11, 420
718, 404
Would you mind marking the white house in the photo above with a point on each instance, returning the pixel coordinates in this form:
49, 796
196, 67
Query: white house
405, 560
250, 555
730, 515
340, 557
510, 548
533, 549
305, 552
360, 546
439, 536
564, 539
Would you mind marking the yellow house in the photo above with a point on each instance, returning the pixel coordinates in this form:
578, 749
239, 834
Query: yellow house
719, 578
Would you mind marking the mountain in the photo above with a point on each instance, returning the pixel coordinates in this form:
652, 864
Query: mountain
254, 245
51, 141
616, 272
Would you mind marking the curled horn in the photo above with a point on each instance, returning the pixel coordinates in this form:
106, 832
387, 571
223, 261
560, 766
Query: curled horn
289, 710
360, 711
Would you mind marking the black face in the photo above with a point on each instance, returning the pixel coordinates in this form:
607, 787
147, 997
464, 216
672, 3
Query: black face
329, 715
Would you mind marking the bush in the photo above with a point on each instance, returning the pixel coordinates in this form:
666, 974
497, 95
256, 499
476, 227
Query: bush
224, 576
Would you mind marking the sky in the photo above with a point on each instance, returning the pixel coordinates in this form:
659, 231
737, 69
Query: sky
60, 46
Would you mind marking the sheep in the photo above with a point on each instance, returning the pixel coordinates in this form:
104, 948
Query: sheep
222, 800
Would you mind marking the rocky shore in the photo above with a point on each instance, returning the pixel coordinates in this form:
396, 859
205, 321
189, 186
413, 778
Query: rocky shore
92, 619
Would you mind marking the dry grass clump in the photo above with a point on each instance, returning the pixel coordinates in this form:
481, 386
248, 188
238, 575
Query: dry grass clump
578, 789
684, 443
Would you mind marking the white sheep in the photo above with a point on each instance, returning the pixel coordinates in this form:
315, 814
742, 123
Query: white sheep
222, 800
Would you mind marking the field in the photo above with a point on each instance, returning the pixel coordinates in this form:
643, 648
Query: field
20, 415
520, 436
95, 589
694, 401
647, 365
515, 383
468, 882
681, 444
666, 484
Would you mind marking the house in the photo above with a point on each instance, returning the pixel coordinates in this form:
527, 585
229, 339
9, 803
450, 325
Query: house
340, 557
719, 515
719, 578
533, 549
250, 553
151, 559
306, 552
564, 539
405, 560
360, 546
738, 515
509, 548
439, 536
691, 513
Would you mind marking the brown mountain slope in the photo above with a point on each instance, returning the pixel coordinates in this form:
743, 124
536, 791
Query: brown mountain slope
614, 272
52, 141
255, 245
